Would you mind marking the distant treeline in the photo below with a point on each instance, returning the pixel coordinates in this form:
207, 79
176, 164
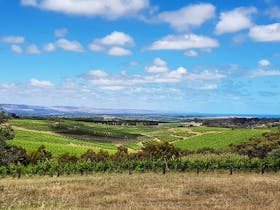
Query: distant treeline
238, 122
100, 120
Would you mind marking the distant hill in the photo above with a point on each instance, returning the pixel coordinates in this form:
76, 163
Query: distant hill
71, 111
28, 110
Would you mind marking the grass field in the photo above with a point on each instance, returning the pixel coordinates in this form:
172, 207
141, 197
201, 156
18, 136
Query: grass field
143, 191
218, 140
77, 137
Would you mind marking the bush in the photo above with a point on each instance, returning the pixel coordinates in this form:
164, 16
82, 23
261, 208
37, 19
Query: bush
39, 156
67, 158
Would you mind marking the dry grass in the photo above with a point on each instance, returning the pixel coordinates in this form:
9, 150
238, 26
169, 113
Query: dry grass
143, 191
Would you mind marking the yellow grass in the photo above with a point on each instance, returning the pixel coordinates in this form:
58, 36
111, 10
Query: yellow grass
143, 191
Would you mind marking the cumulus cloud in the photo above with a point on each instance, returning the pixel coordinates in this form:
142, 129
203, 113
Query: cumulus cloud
50, 47
158, 66
12, 39
62, 32
119, 51
115, 38
265, 33
206, 75
183, 42
111, 9
67, 45
95, 47
235, 20
161, 75
97, 73
16, 49
114, 43
32, 49
191, 53
264, 63
189, 16
41, 83
265, 70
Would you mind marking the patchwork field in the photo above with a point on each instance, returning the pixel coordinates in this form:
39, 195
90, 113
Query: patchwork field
75, 137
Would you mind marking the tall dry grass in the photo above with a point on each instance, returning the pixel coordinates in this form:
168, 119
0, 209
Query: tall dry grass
143, 191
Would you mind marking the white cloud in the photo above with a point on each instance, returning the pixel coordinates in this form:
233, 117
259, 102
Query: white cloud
16, 49
111, 9
120, 81
50, 47
96, 47
114, 44
183, 42
273, 12
158, 66
41, 83
191, 53
265, 33
29, 2
32, 49
208, 87
206, 75
264, 63
70, 45
12, 39
119, 51
116, 38
264, 73
62, 32
97, 73
189, 16
235, 20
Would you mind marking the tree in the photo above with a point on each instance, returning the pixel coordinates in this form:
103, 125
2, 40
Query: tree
162, 150
9, 154
40, 155
258, 146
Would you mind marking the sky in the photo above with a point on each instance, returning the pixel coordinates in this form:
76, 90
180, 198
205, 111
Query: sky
176, 56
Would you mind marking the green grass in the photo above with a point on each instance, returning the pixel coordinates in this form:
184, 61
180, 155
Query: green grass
203, 129
133, 145
40, 125
184, 134
170, 138
57, 144
218, 140
149, 141
55, 149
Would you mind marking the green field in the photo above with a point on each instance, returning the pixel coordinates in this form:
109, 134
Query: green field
61, 136
57, 144
218, 140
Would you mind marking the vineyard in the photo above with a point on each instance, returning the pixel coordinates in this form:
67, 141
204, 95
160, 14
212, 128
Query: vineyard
60, 136
60, 149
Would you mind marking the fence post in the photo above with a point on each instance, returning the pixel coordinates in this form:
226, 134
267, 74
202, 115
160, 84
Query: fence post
58, 171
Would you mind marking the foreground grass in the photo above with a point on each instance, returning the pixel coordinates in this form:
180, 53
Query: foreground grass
143, 191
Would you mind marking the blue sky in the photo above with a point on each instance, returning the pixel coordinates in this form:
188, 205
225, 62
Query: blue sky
179, 56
